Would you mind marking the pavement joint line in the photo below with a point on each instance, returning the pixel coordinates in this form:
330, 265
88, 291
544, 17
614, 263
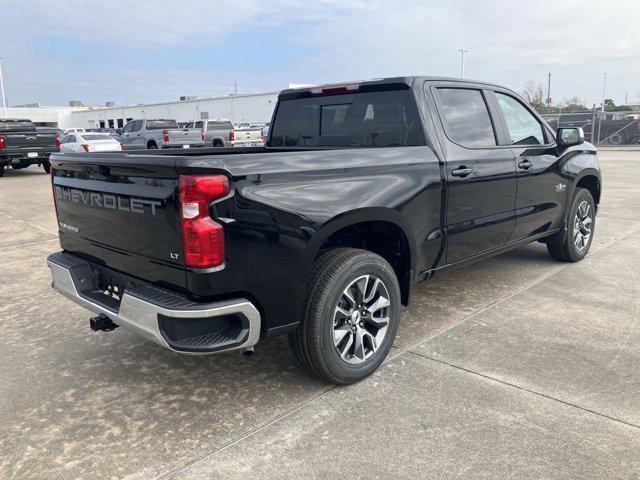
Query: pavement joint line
11, 217
409, 349
247, 434
9, 247
518, 387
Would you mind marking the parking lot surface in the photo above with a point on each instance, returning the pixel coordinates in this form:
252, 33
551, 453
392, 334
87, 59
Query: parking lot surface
514, 367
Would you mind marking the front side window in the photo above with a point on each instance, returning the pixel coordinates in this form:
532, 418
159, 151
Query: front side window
524, 128
467, 117
367, 119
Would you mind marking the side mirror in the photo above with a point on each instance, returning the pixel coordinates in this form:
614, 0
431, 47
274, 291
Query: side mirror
569, 136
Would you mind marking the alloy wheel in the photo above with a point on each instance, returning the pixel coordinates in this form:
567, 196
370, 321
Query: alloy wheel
361, 319
582, 226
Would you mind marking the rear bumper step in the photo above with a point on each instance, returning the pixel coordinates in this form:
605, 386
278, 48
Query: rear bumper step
166, 318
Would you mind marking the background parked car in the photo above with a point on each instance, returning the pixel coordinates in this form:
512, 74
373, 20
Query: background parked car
57, 131
74, 130
89, 142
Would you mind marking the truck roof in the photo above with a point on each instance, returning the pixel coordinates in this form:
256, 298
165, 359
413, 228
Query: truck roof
344, 87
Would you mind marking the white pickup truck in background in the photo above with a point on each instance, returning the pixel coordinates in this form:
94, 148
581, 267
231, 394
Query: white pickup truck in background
222, 133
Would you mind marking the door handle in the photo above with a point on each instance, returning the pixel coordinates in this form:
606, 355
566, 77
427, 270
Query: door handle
461, 172
525, 165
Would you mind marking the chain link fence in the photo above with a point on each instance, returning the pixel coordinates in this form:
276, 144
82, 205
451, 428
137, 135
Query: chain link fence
614, 128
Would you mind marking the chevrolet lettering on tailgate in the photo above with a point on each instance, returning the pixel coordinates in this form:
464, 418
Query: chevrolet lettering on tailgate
105, 200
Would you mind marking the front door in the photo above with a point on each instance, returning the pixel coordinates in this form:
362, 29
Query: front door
542, 191
480, 175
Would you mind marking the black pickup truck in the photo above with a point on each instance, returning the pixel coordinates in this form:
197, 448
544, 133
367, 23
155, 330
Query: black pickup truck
21, 145
362, 190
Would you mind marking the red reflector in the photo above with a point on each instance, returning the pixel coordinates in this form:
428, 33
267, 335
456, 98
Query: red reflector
2, 144
86, 147
202, 237
57, 141
165, 134
232, 136
202, 134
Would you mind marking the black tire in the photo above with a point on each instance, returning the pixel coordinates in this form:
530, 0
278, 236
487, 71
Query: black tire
217, 144
1, 170
565, 245
152, 146
313, 341
46, 167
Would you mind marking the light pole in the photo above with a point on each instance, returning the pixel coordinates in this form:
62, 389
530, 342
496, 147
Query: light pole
462, 52
4, 103
604, 90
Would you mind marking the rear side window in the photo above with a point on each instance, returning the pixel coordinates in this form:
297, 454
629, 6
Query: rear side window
524, 128
467, 117
198, 125
372, 119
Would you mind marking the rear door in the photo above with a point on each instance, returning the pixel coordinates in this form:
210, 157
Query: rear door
121, 211
541, 188
480, 174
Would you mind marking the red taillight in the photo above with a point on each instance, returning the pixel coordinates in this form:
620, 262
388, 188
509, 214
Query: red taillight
166, 135
57, 141
638, 125
232, 136
121, 147
202, 237
86, 147
202, 134
2, 144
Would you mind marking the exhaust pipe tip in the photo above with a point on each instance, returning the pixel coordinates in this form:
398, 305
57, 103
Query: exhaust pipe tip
247, 352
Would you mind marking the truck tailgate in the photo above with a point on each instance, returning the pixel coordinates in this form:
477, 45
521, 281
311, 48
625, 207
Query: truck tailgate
29, 141
121, 211
186, 136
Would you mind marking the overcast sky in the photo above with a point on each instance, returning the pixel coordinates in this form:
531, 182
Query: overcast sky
143, 51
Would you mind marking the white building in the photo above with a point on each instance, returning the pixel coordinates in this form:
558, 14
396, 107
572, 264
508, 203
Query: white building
249, 107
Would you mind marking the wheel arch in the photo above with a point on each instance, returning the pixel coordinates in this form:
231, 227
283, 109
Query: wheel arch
381, 230
151, 142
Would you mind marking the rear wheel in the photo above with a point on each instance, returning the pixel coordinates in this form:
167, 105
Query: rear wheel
575, 243
151, 146
351, 316
46, 167
217, 143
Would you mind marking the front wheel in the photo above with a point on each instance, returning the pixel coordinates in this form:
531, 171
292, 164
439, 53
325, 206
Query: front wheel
575, 243
350, 318
46, 167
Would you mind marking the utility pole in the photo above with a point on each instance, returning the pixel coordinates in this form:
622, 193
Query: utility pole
604, 89
235, 87
549, 90
4, 103
462, 52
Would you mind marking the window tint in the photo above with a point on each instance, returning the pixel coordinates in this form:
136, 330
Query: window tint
72, 139
161, 124
16, 125
96, 136
137, 125
198, 125
467, 117
524, 128
372, 119
127, 127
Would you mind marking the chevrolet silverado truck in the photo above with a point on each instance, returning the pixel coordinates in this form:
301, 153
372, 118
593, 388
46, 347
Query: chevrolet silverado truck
160, 133
362, 190
22, 145
221, 133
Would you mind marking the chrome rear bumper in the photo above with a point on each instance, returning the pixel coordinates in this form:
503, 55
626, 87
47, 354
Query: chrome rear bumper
160, 315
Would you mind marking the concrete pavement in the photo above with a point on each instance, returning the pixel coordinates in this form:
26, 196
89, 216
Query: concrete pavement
517, 366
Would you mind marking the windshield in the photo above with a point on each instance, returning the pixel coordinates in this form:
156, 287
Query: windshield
17, 125
372, 119
161, 124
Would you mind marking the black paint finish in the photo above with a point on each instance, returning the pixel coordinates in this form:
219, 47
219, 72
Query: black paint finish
286, 203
